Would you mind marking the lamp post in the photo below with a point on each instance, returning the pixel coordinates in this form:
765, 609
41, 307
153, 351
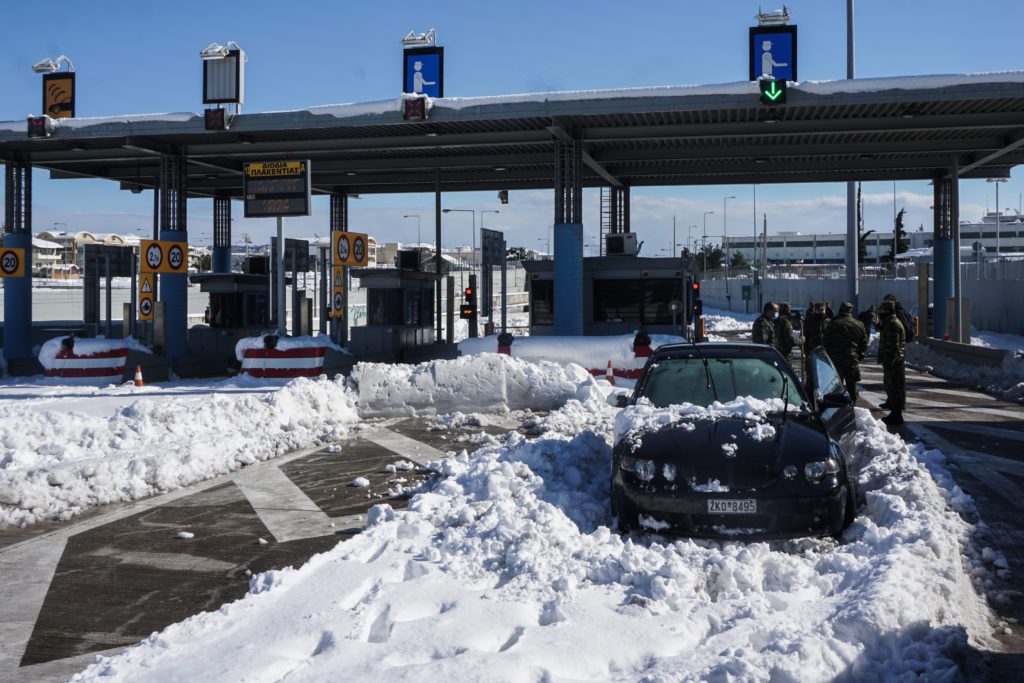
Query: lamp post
417, 217
704, 242
999, 261
725, 242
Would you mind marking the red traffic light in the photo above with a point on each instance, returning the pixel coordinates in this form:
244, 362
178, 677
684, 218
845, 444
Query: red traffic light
469, 292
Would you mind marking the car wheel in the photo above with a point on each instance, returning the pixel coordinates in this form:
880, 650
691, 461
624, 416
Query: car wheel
849, 507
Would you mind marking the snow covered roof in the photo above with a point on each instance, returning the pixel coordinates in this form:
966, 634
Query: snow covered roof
867, 129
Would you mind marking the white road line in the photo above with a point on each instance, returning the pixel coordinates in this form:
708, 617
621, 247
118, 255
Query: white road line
26, 580
287, 512
411, 449
58, 670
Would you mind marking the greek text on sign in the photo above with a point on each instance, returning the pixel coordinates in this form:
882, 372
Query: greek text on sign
262, 169
351, 249
12, 262
160, 256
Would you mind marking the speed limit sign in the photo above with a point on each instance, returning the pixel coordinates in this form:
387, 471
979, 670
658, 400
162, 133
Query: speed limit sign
358, 249
351, 249
175, 256
12, 262
343, 249
154, 256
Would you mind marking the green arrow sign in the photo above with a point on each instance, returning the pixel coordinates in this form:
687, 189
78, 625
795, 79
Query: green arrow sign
773, 91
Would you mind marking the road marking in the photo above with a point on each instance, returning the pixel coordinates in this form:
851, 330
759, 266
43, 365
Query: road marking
287, 512
174, 562
26, 580
417, 451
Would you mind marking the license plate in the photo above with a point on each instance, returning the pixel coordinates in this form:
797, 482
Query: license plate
717, 506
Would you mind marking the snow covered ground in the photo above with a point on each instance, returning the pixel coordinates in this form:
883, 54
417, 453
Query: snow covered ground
1005, 381
505, 569
504, 565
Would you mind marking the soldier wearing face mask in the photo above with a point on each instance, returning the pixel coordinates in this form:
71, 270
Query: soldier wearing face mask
892, 348
785, 340
764, 327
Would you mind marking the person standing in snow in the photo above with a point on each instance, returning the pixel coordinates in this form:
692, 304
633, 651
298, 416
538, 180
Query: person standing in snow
785, 340
846, 342
763, 331
814, 331
892, 349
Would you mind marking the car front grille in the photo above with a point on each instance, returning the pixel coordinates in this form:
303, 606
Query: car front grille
734, 475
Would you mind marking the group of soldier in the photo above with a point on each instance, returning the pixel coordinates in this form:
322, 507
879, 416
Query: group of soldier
845, 339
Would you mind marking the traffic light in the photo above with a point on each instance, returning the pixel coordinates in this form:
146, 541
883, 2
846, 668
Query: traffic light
468, 309
773, 91
696, 307
503, 196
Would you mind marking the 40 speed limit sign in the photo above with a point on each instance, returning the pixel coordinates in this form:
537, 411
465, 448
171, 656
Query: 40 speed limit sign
160, 256
12, 262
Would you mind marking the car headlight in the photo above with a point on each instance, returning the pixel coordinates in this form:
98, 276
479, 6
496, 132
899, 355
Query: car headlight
789, 472
644, 469
816, 471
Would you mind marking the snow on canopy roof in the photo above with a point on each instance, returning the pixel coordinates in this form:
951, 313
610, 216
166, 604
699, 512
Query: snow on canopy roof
44, 244
357, 109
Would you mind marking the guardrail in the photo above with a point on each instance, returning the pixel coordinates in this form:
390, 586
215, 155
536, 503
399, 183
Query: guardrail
968, 354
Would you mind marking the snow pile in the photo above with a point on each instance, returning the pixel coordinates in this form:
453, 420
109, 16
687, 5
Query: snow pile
490, 383
285, 344
590, 352
85, 347
54, 462
507, 570
1005, 381
998, 340
718, 320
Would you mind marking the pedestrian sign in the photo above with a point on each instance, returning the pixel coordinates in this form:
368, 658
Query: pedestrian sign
12, 262
160, 256
773, 52
423, 71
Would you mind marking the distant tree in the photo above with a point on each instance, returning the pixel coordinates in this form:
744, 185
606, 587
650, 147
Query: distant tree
204, 263
900, 241
738, 260
517, 254
862, 246
710, 257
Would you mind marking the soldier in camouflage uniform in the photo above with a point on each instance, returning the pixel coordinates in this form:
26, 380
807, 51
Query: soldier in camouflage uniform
892, 346
763, 331
785, 340
846, 342
813, 332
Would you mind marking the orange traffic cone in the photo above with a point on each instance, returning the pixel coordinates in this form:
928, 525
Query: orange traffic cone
138, 376
610, 374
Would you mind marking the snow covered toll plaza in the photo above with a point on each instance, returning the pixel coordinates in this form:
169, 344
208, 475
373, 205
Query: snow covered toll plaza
452, 519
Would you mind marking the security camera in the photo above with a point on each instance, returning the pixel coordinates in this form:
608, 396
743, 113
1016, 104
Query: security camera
45, 66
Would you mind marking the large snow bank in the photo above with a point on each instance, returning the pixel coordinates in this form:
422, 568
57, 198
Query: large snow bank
285, 344
590, 352
490, 382
85, 347
507, 570
54, 463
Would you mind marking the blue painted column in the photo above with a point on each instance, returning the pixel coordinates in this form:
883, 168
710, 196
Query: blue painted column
174, 294
942, 284
18, 302
568, 278
222, 259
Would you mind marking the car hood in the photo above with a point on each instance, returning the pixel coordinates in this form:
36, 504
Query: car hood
737, 452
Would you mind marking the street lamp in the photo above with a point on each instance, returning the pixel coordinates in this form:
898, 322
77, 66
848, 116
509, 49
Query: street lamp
725, 241
704, 242
999, 261
417, 217
48, 66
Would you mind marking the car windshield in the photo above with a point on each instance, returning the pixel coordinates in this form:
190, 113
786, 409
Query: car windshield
683, 380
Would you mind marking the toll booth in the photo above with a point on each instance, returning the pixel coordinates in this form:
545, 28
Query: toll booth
399, 314
239, 307
621, 294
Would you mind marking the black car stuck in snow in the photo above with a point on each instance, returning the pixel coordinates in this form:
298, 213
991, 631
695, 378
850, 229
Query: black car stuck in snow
701, 470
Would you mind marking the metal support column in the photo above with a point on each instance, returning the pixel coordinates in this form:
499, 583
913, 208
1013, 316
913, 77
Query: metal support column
568, 233
221, 234
439, 261
942, 249
339, 223
852, 266
174, 227
18, 290
954, 231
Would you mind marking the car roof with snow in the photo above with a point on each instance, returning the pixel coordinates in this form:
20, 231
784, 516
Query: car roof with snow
716, 349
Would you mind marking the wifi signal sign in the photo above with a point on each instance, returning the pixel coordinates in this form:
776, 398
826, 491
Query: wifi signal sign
59, 95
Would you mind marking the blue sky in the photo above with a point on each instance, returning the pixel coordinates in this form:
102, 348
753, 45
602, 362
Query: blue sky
138, 57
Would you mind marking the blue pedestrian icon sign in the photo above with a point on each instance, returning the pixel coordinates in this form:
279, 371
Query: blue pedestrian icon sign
773, 52
424, 71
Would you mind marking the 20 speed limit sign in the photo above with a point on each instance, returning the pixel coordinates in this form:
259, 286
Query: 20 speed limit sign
12, 262
351, 249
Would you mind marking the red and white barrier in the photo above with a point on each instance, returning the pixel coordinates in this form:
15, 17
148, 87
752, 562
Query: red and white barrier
288, 364
102, 365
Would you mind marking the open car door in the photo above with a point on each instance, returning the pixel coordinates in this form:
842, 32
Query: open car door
831, 400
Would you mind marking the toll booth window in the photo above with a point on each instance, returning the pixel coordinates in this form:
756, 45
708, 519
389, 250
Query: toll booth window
542, 302
618, 300
658, 296
384, 307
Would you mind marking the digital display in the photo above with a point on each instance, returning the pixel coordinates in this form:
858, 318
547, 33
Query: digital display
276, 188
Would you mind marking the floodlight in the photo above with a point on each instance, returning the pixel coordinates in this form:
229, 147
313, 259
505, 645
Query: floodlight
48, 66
213, 51
413, 39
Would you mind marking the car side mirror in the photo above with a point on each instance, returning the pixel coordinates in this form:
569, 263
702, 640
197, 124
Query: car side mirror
836, 399
621, 400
